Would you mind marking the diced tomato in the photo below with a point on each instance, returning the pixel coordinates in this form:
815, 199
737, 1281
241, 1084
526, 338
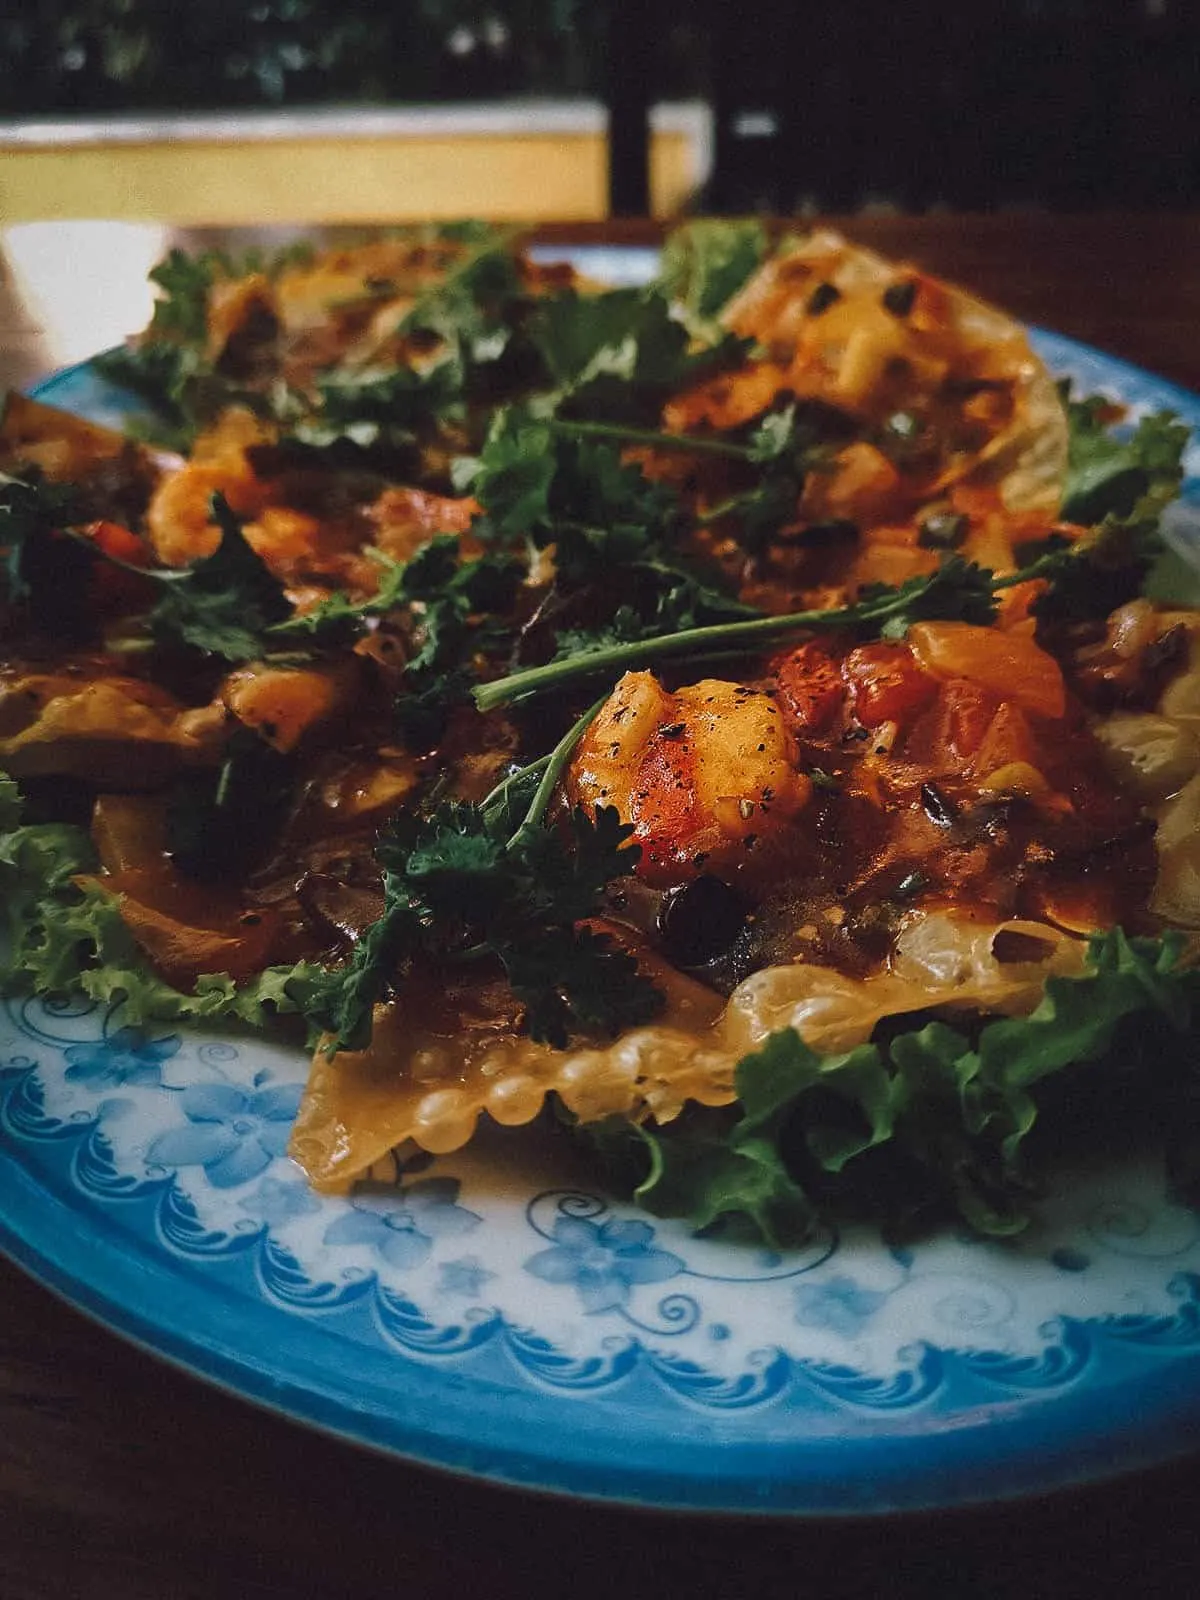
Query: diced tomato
1008, 662
960, 719
118, 542
888, 684
664, 803
811, 688
1007, 739
114, 588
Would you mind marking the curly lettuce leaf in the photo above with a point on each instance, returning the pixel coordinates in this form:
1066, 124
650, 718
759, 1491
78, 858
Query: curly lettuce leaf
58, 937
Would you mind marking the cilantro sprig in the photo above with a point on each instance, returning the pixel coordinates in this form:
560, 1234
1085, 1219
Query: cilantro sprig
706, 262
1109, 471
617, 356
375, 411
169, 366
781, 451
469, 308
467, 882
1120, 481
546, 486
958, 590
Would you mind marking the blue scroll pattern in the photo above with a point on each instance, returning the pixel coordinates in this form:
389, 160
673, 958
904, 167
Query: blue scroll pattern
607, 1273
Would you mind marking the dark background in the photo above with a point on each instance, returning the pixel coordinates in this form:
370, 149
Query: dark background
144, 1485
973, 104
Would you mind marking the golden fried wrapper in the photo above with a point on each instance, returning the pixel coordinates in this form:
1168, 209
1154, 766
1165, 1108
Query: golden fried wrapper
430, 1084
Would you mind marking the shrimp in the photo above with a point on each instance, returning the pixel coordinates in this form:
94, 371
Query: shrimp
179, 516
704, 775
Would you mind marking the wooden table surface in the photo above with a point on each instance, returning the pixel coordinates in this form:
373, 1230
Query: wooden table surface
121, 1478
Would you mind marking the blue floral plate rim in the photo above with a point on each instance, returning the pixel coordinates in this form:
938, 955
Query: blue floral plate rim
897, 1456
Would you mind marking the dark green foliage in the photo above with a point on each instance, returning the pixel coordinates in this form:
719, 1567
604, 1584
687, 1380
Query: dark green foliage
225, 603
617, 356
220, 822
458, 887
45, 575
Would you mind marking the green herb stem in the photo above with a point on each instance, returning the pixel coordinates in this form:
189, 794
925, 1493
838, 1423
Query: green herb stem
555, 764
732, 638
726, 508
720, 637
498, 795
649, 436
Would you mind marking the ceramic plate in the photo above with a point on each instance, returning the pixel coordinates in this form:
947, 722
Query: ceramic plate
493, 1313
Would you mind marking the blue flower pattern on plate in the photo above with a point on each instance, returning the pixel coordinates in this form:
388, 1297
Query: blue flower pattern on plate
465, 1276
280, 1200
234, 1134
125, 1057
840, 1304
402, 1226
603, 1261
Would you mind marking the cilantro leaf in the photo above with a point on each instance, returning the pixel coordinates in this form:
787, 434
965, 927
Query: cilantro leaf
540, 487
619, 355
473, 309
1120, 481
181, 310
706, 262
458, 886
612, 529
786, 446
175, 380
337, 616
168, 366
454, 607
1110, 470
511, 477
1093, 576
458, 603
380, 410
225, 603
957, 591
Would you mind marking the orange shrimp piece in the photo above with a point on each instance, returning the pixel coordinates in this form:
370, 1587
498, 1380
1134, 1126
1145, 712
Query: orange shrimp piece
702, 774
405, 518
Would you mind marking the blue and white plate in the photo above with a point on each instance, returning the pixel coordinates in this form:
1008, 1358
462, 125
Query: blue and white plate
494, 1314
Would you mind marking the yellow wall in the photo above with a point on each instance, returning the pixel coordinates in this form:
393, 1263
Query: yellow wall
371, 179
